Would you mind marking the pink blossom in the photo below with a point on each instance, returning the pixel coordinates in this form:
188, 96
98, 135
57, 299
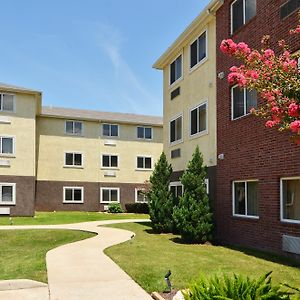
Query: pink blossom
228, 47
270, 124
243, 48
294, 110
295, 126
254, 75
275, 109
269, 53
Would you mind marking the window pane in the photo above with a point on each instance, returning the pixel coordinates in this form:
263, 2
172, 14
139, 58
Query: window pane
250, 9
78, 159
202, 46
173, 190
178, 63
140, 196
251, 99
69, 127
8, 102
114, 130
238, 102
140, 162
114, 195
7, 145
105, 129
148, 162
77, 195
140, 132
105, 195
7, 193
68, 194
105, 160
148, 133
179, 191
69, 159
194, 58
194, 117
172, 73
202, 118
252, 198
178, 128
237, 15
78, 128
172, 131
291, 199
239, 197
114, 161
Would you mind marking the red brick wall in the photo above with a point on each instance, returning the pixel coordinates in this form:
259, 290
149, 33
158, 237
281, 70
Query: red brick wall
251, 150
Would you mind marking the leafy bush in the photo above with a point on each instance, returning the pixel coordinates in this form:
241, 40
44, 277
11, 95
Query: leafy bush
137, 208
235, 288
115, 208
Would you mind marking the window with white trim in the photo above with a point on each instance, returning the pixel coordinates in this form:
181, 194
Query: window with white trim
110, 130
7, 102
7, 145
140, 196
242, 100
109, 195
241, 12
144, 133
198, 50
198, 119
144, 162
74, 128
176, 189
7, 193
109, 161
206, 181
176, 130
290, 199
176, 69
73, 194
73, 159
245, 198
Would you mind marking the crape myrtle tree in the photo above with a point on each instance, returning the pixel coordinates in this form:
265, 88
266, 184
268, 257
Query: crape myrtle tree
275, 77
193, 217
160, 198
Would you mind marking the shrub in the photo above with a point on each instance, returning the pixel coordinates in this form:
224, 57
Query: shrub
115, 208
137, 208
235, 287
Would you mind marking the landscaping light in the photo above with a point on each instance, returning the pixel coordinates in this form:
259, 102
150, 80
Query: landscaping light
167, 279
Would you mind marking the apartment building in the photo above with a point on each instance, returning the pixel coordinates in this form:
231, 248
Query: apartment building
189, 85
69, 159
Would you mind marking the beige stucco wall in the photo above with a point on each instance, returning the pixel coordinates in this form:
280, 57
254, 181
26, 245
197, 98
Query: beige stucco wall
53, 143
197, 86
21, 125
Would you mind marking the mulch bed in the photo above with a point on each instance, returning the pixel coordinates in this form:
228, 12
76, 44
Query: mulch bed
168, 296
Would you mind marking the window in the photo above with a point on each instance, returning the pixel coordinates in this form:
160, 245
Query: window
198, 119
7, 102
110, 130
176, 129
242, 101
73, 159
74, 128
198, 50
73, 195
109, 195
207, 185
176, 69
245, 198
290, 199
144, 162
241, 12
140, 196
109, 161
7, 145
289, 7
176, 189
7, 193
144, 133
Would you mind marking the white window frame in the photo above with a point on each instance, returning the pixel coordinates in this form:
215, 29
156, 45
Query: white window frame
203, 132
144, 128
144, 156
181, 77
136, 195
176, 183
203, 60
206, 180
13, 185
246, 200
110, 136
73, 166
282, 219
110, 189
73, 128
1, 103
110, 155
13, 145
73, 188
171, 120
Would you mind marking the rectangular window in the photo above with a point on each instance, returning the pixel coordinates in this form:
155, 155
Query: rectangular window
176, 130
7, 102
289, 7
241, 12
140, 196
7, 145
144, 162
7, 193
245, 198
144, 133
176, 69
109, 195
73, 194
176, 189
74, 127
198, 119
110, 130
73, 159
290, 199
242, 100
198, 50
109, 161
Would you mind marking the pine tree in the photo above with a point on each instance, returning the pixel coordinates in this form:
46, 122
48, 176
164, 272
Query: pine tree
160, 198
193, 217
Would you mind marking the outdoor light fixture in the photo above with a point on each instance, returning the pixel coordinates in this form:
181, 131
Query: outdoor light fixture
167, 279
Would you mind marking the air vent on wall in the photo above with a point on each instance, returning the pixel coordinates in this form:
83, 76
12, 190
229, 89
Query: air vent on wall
110, 143
291, 244
175, 93
4, 120
175, 153
110, 174
4, 163
289, 7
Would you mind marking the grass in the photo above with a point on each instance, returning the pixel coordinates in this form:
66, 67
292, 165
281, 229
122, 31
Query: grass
23, 252
152, 255
52, 218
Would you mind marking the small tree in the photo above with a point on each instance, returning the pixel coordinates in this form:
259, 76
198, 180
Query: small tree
193, 217
160, 198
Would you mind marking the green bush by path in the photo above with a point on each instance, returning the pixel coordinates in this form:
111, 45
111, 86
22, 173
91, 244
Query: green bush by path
115, 208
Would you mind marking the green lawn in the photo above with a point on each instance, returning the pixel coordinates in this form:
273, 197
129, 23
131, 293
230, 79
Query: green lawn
50, 218
152, 255
23, 252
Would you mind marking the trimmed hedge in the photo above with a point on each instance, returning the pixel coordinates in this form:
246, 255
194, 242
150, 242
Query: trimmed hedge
137, 208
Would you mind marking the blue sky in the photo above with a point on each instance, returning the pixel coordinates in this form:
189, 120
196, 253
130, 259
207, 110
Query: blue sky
92, 54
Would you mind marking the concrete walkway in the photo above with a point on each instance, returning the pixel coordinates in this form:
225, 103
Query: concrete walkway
81, 270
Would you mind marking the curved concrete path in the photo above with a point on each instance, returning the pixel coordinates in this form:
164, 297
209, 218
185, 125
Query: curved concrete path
82, 271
